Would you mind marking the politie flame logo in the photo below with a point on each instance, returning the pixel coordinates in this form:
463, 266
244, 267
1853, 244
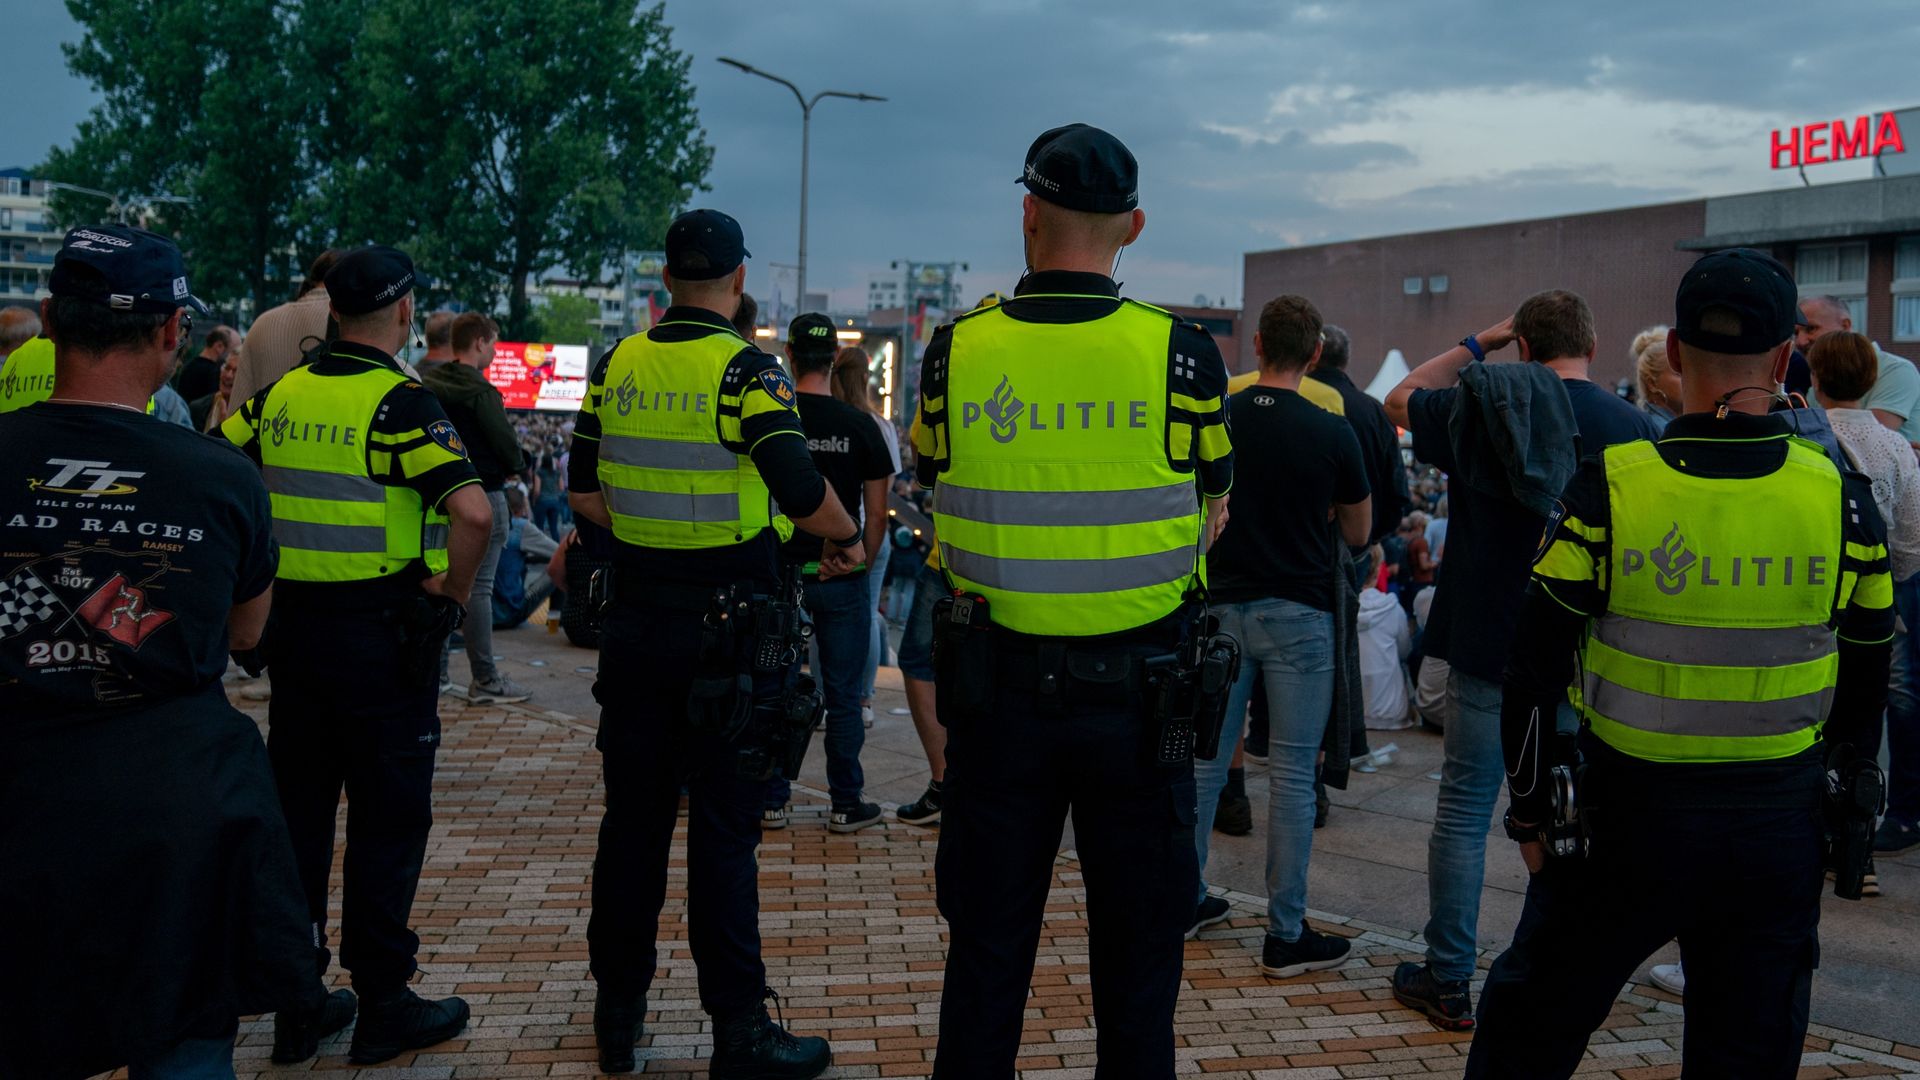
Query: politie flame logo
1672, 559
624, 393
277, 427
1003, 409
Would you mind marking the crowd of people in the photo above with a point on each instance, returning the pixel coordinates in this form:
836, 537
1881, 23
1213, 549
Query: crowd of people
1219, 570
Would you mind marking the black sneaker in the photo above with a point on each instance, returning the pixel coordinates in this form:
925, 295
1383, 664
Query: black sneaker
1313, 952
1446, 1005
1234, 817
853, 818
404, 1022
922, 811
1321, 807
750, 1046
297, 1035
1895, 836
618, 1023
1212, 909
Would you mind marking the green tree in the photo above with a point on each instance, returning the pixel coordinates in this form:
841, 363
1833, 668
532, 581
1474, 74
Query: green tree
566, 320
197, 105
510, 137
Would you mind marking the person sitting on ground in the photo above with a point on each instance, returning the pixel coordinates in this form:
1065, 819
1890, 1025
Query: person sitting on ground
1385, 642
521, 584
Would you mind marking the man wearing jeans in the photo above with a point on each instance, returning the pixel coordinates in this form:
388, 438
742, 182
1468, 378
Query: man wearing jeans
849, 451
480, 416
1497, 518
1271, 578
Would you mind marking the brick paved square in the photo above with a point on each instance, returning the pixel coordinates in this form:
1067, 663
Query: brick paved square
854, 946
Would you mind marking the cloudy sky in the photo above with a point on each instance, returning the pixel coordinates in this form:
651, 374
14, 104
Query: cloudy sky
1258, 124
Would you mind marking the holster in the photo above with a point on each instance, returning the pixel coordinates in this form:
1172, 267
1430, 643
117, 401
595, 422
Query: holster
744, 635
425, 622
963, 657
1856, 795
1188, 692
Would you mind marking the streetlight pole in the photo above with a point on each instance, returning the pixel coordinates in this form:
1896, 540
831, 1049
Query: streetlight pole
806, 131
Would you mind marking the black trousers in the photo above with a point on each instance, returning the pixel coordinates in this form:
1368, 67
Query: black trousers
648, 750
1014, 773
347, 715
1739, 888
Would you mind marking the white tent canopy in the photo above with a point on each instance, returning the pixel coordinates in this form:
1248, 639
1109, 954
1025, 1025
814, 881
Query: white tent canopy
1392, 370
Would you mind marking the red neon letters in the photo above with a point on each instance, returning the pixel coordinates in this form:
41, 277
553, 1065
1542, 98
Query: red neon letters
1818, 144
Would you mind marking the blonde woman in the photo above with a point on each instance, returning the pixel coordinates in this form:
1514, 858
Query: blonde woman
1659, 383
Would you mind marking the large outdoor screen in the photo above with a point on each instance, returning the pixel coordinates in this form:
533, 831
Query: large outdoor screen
537, 375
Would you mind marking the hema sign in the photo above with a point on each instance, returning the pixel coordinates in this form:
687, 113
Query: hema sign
1871, 135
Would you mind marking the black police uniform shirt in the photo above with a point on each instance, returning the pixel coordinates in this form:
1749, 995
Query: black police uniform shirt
784, 463
1295, 461
418, 448
124, 543
1491, 541
849, 450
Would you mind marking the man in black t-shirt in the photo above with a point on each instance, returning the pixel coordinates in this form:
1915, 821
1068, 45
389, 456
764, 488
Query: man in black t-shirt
200, 376
1491, 540
1271, 578
148, 894
849, 451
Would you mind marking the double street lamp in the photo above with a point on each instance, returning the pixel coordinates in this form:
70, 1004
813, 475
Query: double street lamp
806, 127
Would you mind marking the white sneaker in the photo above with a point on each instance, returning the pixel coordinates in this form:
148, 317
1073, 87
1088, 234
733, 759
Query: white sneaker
1669, 977
774, 817
866, 715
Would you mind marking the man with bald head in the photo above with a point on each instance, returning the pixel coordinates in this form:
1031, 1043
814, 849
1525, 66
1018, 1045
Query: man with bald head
1895, 397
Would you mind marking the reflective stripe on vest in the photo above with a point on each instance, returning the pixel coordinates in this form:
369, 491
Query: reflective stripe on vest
1058, 483
333, 522
669, 482
1717, 644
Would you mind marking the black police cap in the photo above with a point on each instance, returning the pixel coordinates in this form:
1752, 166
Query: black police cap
703, 245
1082, 167
1750, 285
812, 333
123, 268
369, 278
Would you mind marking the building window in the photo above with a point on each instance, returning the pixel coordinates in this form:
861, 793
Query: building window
1838, 270
1906, 289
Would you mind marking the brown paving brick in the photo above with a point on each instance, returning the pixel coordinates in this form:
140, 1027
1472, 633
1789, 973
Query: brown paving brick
854, 944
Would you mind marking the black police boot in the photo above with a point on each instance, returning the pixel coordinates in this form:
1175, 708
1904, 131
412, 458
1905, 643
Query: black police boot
406, 1021
297, 1033
750, 1046
618, 1022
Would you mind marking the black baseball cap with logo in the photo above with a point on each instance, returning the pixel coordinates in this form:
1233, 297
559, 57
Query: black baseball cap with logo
1083, 168
703, 245
123, 268
1750, 285
369, 278
812, 333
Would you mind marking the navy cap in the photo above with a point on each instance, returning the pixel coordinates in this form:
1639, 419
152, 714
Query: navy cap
368, 279
703, 245
123, 268
1751, 285
812, 333
1082, 167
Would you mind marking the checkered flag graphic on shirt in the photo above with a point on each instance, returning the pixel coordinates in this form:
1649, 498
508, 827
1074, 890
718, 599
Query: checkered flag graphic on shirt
25, 602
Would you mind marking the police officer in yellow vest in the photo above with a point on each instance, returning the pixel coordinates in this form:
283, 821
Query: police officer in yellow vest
381, 523
1720, 602
690, 449
26, 375
1077, 446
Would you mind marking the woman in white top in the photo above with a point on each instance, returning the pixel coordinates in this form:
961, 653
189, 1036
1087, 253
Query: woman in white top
1845, 366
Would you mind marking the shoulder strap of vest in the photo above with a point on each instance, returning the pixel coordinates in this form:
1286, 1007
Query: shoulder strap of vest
1131, 302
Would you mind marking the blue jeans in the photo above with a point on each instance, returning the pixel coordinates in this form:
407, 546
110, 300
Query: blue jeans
877, 640
1903, 709
1471, 778
1290, 646
189, 1059
841, 628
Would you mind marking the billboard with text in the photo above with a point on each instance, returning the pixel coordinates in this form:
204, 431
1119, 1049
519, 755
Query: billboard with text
539, 375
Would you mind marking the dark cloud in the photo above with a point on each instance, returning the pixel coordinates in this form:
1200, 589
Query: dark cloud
1257, 124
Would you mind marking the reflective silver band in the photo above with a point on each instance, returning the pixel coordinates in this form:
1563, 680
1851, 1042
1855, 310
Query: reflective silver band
1711, 719
1133, 506
667, 454
1062, 576
1714, 646
338, 539
309, 484
433, 537
674, 506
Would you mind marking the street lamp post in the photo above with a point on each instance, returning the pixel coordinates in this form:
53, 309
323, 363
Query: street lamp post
806, 128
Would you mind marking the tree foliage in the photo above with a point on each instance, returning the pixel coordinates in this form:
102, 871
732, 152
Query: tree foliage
566, 320
493, 139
